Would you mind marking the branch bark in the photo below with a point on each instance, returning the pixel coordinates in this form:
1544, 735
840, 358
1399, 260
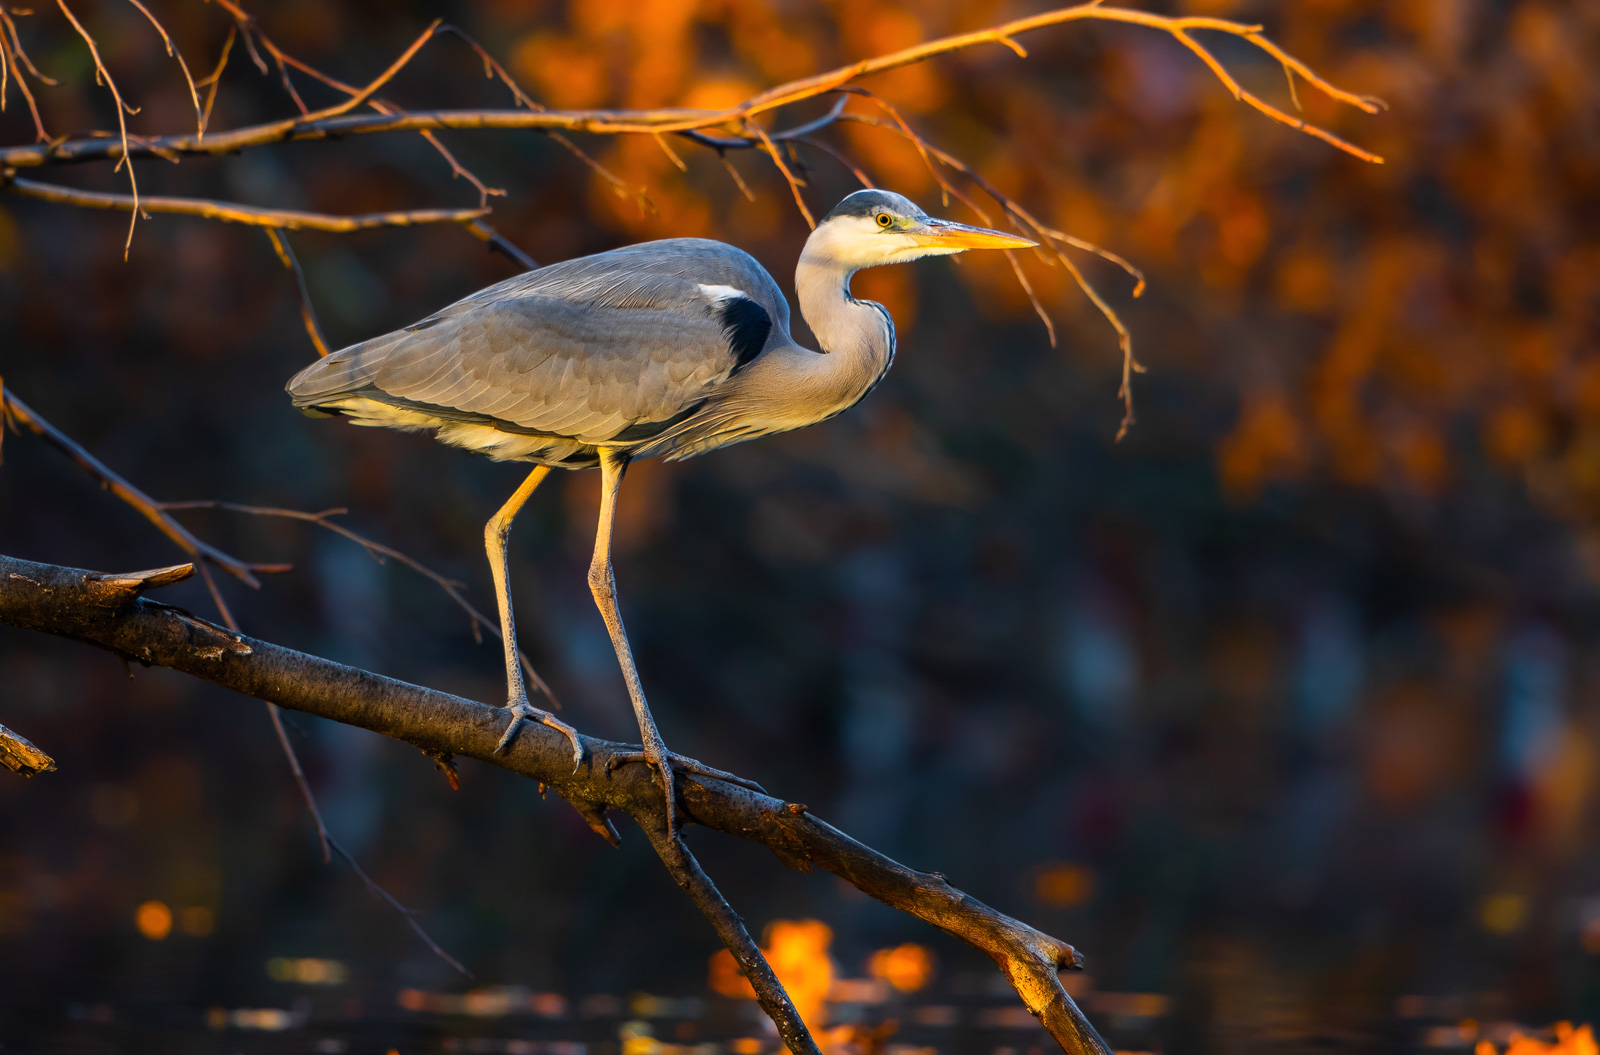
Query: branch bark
231, 212
107, 611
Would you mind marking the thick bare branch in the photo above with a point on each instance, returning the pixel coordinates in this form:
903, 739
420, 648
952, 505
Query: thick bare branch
19, 755
380, 553
83, 606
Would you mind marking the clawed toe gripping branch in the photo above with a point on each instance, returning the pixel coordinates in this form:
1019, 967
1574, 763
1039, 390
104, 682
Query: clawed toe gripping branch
108, 611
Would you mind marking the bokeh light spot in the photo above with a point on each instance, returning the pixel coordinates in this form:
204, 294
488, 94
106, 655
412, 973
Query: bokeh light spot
154, 920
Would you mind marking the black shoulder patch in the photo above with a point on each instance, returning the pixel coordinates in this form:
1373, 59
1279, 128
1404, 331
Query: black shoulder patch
746, 325
640, 431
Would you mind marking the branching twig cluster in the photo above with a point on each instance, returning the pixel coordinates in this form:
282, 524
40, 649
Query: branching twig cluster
703, 127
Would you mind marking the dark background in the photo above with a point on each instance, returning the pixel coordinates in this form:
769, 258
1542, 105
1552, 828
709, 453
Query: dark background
1284, 707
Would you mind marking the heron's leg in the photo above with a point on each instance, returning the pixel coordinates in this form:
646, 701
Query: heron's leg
495, 533
603, 584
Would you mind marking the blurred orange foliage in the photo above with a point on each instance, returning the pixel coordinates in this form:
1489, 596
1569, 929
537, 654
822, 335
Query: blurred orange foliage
798, 953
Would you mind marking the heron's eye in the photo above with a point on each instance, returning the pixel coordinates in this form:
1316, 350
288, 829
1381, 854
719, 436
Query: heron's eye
884, 219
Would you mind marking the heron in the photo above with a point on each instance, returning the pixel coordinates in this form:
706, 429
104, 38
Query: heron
667, 349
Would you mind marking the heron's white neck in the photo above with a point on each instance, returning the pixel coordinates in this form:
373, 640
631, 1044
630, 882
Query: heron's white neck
858, 339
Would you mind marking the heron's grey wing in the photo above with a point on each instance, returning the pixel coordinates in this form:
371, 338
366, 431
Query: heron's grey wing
602, 352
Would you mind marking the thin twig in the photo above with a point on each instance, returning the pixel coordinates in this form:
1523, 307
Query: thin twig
363, 94
855, 170
308, 314
215, 80
12, 52
173, 52
738, 180
325, 838
103, 76
21, 414
410, 916
501, 244
777, 159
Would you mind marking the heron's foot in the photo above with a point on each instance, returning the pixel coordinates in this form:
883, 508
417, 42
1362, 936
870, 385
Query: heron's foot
522, 711
686, 765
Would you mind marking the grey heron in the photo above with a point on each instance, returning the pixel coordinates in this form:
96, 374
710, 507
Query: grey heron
669, 348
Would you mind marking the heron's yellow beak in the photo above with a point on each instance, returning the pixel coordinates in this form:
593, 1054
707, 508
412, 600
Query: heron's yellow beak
946, 234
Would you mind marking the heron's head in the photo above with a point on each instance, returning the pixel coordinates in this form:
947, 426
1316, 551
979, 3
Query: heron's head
873, 227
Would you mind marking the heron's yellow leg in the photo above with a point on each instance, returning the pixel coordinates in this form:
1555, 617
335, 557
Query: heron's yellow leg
603, 584
495, 533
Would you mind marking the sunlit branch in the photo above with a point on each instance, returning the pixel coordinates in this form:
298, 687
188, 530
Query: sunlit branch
18, 754
83, 606
212, 82
692, 879
380, 553
680, 119
231, 212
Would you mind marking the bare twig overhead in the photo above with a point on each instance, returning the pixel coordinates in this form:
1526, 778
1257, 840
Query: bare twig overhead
231, 212
14, 60
308, 313
103, 76
173, 52
612, 122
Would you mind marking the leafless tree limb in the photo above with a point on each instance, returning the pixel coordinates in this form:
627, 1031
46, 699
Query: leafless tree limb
98, 610
380, 553
19, 755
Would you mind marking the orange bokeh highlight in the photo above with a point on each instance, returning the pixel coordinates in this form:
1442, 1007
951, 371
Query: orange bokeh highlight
1569, 1041
798, 953
1063, 885
907, 967
154, 920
